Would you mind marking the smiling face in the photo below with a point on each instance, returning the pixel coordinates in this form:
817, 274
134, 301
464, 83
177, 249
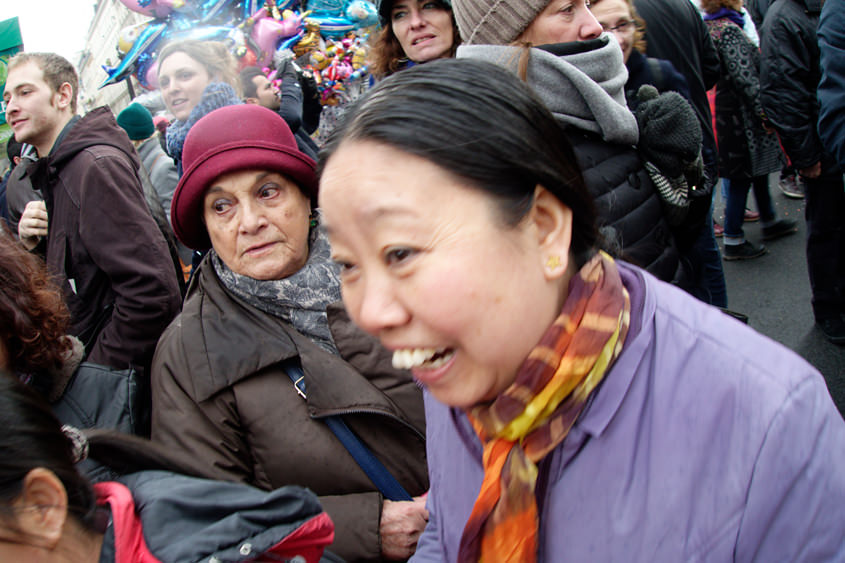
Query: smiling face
430, 268
258, 223
562, 21
423, 29
182, 80
34, 111
615, 16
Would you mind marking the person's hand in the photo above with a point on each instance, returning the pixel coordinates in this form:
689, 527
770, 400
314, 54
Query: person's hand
400, 527
670, 135
813, 171
33, 224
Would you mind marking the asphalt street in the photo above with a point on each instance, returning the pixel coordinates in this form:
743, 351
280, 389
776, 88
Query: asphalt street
774, 291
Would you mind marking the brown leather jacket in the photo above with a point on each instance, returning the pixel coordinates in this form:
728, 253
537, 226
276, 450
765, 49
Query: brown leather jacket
220, 395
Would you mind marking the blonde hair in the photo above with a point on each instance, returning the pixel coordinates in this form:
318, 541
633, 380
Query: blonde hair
213, 55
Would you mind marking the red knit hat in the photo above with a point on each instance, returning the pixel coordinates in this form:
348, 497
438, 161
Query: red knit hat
229, 139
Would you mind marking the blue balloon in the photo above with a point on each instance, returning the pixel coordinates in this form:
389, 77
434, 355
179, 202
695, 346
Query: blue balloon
362, 13
327, 7
146, 41
333, 27
283, 5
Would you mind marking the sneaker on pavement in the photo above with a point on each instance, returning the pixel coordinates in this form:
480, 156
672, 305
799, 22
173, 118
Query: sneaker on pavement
744, 251
718, 230
792, 186
833, 329
781, 228
750, 216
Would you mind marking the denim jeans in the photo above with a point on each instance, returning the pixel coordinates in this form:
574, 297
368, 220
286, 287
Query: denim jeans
737, 189
705, 262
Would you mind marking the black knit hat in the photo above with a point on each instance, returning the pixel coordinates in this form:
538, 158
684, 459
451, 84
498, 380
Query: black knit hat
137, 121
384, 8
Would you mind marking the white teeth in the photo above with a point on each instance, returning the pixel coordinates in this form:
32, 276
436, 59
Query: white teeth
420, 357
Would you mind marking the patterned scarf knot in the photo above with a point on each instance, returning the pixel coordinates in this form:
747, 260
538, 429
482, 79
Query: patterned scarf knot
533, 416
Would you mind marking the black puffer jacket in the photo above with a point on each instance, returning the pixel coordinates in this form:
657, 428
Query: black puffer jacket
583, 84
629, 209
789, 76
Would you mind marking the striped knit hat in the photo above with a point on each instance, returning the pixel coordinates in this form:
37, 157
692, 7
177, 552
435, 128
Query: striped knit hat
494, 22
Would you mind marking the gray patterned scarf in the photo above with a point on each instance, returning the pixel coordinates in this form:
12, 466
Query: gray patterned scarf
301, 298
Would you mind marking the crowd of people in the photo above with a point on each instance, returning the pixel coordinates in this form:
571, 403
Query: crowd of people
485, 319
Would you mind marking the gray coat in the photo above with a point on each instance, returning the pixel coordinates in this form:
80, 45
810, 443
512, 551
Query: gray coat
162, 171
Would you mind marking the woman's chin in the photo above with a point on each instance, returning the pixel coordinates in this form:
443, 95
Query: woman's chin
180, 115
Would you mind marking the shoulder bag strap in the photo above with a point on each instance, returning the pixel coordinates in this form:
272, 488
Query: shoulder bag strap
369, 463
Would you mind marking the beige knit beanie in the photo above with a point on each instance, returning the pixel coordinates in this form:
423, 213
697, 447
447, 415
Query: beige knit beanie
494, 22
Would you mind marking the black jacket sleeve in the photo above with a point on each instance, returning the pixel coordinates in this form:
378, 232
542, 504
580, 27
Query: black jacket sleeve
711, 67
291, 98
831, 93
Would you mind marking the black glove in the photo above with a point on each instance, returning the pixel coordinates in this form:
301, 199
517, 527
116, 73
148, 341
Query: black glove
670, 135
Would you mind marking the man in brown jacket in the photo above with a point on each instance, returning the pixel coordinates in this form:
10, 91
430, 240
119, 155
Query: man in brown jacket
111, 260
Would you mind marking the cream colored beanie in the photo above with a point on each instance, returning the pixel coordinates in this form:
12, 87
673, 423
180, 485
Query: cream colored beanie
494, 22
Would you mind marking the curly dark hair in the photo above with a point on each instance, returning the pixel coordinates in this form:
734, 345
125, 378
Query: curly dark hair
387, 55
33, 316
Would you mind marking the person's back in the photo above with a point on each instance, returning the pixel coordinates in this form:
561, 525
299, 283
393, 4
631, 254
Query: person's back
159, 177
757, 10
789, 98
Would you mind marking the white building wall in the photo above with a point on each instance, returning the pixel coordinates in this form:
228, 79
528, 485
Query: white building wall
110, 18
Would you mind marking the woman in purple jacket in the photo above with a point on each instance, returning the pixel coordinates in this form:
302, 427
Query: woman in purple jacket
578, 409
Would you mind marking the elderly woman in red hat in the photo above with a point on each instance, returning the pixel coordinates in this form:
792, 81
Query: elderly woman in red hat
261, 313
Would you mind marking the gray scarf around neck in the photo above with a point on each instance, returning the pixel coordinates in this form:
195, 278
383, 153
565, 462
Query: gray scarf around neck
584, 90
301, 298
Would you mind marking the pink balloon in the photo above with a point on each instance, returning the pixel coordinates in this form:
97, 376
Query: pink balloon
156, 8
135, 7
152, 76
267, 32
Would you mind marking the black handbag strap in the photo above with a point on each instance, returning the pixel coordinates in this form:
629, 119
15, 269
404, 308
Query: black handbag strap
369, 463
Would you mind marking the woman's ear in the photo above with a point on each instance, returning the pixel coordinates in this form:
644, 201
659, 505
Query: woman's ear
553, 222
42, 507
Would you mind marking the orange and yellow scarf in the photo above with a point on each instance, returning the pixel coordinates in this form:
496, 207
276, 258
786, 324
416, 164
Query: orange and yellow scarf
532, 416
